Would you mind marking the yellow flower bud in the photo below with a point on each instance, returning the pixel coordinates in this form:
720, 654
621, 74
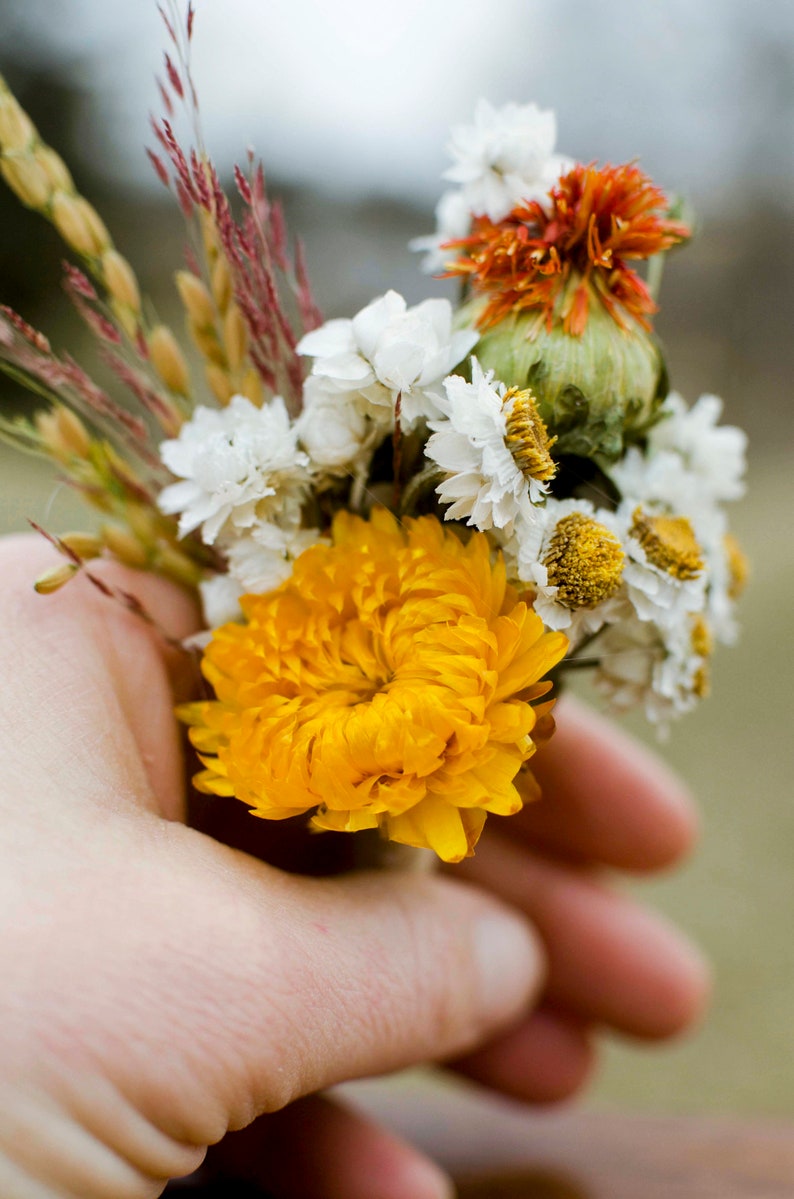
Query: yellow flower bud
196, 298
120, 280
54, 579
17, 130
168, 360
27, 180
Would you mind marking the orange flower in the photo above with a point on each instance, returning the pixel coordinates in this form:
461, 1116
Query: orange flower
557, 261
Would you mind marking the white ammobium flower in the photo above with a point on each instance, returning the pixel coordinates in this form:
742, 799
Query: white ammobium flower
571, 558
238, 465
663, 671
257, 563
505, 157
690, 462
666, 570
493, 445
340, 430
453, 222
388, 351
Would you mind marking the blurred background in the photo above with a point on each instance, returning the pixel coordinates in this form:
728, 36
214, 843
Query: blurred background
349, 104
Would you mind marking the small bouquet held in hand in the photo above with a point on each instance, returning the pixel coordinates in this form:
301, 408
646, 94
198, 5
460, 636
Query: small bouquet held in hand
405, 524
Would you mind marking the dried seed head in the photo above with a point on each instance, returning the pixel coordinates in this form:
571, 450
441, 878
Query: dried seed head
220, 383
197, 300
79, 225
221, 284
28, 181
207, 343
527, 437
176, 565
120, 280
235, 337
63, 434
84, 545
168, 360
17, 130
584, 561
124, 546
54, 579
669, 543
54, 168
252, 387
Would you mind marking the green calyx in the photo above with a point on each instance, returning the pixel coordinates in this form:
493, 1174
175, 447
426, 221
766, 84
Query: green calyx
595, 392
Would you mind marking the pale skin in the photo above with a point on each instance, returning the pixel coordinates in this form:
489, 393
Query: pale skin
159, 989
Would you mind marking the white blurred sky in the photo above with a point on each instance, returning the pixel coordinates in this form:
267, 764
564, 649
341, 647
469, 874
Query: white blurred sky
358, 95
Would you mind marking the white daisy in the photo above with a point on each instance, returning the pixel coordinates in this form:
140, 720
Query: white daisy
489, 441
238, 465
388, 351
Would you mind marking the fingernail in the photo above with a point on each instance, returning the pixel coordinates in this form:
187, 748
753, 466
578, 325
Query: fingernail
511, 965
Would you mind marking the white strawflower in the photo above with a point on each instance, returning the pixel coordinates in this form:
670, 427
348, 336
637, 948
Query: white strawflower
453, 222
666, 569
493, 445
690, 463
339, 430
257, 563
571, 557
505, 157
661, 671
238, 465
388, 351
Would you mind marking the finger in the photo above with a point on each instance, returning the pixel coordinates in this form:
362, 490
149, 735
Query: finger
609, 960
281, 986
318, 1148
548, 1057
604, 797
93, 673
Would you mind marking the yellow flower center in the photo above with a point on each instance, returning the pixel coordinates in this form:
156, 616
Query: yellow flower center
385, 684
584, 561
702, 640
738, 566
669, 543
527, 437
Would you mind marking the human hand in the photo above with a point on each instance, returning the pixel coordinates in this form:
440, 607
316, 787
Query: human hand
160, 988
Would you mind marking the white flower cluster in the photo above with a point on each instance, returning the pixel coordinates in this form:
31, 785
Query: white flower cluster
648, 584
246, 473
504, 158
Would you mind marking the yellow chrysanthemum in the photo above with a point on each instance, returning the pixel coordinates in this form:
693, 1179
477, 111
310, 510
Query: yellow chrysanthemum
385, 684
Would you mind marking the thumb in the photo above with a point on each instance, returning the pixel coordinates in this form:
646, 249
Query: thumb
286, 985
